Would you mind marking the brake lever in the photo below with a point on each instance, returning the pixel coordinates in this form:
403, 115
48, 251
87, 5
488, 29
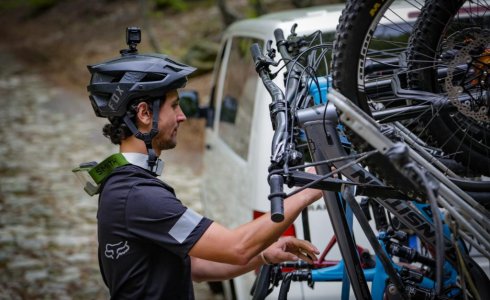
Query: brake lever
271, 52
263, 62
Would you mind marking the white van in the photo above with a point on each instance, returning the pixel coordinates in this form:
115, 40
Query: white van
239, 135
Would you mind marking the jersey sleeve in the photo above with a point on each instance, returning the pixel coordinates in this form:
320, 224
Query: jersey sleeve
155, 214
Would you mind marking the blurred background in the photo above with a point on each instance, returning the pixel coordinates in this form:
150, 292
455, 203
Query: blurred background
48, 243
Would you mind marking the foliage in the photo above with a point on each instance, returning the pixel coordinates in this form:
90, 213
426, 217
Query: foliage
178, 5
35, 5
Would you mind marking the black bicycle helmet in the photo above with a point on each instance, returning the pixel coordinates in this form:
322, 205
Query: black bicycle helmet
117, 82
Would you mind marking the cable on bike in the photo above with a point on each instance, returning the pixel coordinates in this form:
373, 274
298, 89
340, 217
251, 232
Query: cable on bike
399, 155
348, 195
461, 265
336, 171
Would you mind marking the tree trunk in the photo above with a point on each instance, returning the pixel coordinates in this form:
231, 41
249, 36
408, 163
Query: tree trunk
227, 15
146, 24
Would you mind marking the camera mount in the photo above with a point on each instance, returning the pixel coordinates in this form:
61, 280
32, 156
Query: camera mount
133, 38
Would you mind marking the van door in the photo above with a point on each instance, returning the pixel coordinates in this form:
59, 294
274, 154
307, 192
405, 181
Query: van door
228, 140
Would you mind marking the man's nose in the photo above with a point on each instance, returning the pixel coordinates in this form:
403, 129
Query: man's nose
181, 117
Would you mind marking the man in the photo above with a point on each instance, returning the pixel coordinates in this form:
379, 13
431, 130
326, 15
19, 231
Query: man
150, 245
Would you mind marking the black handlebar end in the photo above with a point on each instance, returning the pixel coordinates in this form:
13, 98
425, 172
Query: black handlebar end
256, 52
277, 213
277, 198
279, 35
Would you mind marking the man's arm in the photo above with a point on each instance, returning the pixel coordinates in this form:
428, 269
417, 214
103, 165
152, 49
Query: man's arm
285, 249
239, 246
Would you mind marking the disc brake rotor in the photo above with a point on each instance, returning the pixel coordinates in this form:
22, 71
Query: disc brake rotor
472, 48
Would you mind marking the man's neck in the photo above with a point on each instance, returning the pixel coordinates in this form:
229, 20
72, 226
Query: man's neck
141, 160
135, 145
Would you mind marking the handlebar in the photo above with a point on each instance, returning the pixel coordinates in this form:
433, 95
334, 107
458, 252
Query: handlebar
281, 151
281, 44
293, 69
278, 116
261, 66
276, 198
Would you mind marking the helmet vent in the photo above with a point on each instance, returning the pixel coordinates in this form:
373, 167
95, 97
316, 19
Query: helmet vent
175, 63
153, 77
172, 68
101, 77
117, 77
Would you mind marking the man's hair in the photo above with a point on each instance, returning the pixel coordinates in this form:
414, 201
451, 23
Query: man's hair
117, 130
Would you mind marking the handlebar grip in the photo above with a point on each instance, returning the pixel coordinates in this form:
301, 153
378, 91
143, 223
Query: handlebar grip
281, 44
276, 198
256, 52
279, 35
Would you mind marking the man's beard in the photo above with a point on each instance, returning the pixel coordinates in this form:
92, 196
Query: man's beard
165, 144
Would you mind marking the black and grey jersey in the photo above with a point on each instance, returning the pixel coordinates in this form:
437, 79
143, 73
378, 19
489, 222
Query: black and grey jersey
145, 234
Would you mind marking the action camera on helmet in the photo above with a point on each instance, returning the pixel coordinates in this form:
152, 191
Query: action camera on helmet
133, 38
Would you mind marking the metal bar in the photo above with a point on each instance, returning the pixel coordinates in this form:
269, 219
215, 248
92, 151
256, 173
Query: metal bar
339, 223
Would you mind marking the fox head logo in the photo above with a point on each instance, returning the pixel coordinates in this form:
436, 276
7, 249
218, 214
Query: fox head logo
113, 251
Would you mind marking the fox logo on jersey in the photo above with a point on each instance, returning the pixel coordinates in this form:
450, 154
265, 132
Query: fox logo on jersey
113, 251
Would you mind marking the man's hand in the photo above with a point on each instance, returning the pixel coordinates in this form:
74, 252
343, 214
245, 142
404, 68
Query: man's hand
290, 249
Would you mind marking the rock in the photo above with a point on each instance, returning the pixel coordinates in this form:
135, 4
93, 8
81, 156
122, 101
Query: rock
31, 276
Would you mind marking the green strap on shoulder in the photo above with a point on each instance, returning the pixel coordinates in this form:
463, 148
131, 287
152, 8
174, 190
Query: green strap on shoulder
104, 169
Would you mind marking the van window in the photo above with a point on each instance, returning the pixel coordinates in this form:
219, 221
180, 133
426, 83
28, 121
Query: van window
239, 88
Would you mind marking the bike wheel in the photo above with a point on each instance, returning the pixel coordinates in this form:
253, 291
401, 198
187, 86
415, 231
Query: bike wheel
479, 278
261, 287
445, 41
401, 61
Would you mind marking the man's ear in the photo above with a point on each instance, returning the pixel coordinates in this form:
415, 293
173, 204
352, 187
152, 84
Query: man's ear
143, 114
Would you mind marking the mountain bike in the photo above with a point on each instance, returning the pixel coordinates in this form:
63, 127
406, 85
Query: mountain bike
435, 82
387, 146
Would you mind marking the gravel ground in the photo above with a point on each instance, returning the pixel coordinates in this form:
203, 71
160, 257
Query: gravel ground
47, 223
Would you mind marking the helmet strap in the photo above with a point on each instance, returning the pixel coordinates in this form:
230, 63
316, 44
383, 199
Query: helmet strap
148, 136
